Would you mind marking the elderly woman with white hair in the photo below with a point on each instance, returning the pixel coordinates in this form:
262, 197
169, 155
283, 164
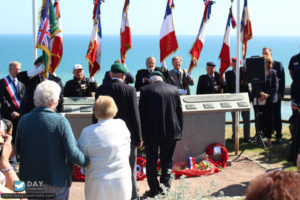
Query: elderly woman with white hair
46, 145
107, 143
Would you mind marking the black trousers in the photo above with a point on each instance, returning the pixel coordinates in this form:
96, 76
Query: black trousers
166, 148
266, 123
277, 122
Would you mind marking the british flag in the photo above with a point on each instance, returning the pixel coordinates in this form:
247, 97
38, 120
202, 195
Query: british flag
44, 36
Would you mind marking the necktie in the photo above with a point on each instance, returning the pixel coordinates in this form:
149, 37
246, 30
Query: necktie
15, 84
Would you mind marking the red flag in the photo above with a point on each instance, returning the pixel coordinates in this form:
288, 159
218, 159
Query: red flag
198, 44
57, 42
168, 42
94, 51
225, 51
246, 29
125, 32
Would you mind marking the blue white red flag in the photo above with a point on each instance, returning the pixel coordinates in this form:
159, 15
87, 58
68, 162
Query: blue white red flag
198, 44
126, 43
225, 51
94, 51
44, 35
246, 29
168, 42
57, 41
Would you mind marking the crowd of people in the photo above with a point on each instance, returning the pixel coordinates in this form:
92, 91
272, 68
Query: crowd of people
46, 148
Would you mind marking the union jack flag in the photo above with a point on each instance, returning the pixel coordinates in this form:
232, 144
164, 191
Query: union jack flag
44, 36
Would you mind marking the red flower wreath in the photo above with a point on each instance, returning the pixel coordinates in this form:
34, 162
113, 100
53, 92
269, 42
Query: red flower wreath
78, 174
223, 158
140, 165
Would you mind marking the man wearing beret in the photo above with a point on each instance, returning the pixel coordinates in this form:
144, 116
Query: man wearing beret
209, 83
143, 75
128, 79
160, 101
79, 86
126, 100
31, 79
179, 77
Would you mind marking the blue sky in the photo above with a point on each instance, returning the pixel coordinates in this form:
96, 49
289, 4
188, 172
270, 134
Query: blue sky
269, 17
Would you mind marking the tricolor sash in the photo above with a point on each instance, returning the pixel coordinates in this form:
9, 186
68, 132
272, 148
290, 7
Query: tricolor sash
10, 87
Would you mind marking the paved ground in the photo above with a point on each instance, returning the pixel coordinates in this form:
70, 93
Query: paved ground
233, 180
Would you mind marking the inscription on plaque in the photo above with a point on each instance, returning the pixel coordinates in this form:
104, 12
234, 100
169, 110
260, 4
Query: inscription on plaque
226, 105
242, 104
191, 107
214, 98
208, 106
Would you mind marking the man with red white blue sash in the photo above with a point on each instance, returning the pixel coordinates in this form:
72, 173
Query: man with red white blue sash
11, 94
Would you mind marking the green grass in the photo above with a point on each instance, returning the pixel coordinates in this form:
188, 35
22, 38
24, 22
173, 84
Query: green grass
278, 152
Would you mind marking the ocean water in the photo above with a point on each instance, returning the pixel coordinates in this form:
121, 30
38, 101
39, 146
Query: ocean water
20, 48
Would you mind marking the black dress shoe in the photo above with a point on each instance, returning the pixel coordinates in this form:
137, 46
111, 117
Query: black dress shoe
278, 141
246, 140
151, 193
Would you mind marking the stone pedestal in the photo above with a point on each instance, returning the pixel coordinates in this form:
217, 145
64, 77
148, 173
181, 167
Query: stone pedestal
199, 131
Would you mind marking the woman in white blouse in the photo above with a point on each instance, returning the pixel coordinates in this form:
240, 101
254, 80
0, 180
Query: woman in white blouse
107, 144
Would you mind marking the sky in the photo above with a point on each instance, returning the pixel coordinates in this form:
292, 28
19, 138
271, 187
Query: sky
268, 17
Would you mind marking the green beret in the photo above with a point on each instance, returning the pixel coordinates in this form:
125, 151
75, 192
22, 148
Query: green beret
158, 73
38, 60
118, 68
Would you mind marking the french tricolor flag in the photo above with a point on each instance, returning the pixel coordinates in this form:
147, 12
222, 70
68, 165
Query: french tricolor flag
198, 44
94, 51
125, 33
246, 28
168, 42
225, 51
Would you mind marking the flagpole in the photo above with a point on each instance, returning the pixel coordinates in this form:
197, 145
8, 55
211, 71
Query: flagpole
34, 30
237, 80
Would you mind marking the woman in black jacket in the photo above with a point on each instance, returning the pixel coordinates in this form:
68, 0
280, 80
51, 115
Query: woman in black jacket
266, 92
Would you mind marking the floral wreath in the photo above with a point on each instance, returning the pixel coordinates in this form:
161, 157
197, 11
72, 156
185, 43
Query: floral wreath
140, 165
223, 157
78, 174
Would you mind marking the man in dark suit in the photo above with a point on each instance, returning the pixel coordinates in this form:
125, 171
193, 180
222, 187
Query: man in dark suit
143, 75
12, 92
277, 66
179, 77
31, 79
210, 82
160, 101
126, 101
229, 87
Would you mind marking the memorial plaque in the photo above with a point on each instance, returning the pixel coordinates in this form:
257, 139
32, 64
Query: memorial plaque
242, 104
190, 106
226, 105
212, 98
68, 109
208, 106
86, 109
